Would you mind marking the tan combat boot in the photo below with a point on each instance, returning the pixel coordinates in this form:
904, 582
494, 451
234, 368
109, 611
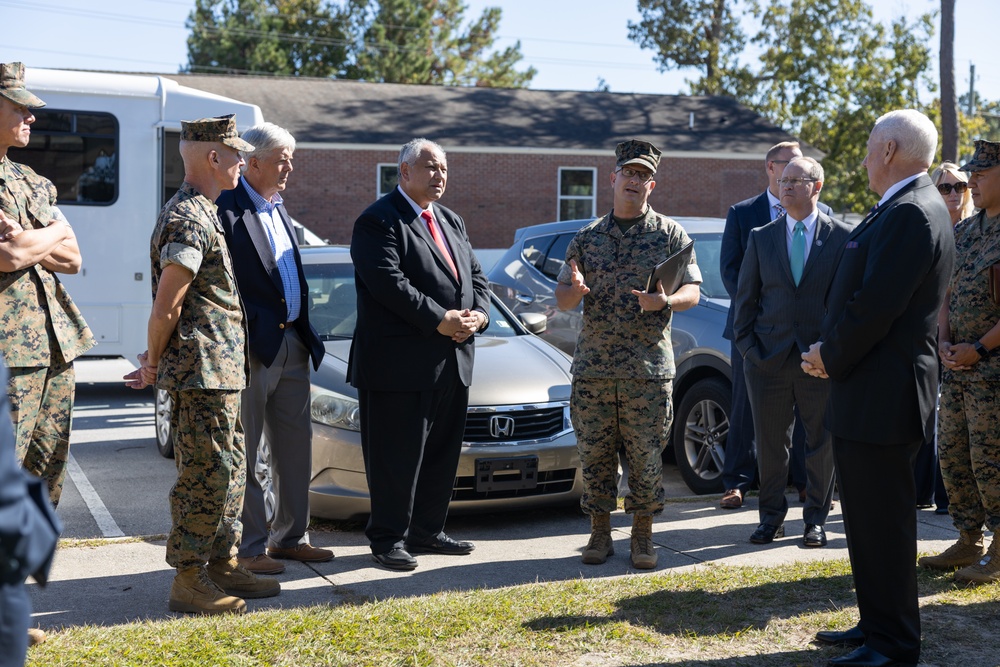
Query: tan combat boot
968, 550
600, 545
236, 580
194, 593
35, 636
643, 556
985, 571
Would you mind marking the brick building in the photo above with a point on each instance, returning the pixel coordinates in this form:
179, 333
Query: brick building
516, 157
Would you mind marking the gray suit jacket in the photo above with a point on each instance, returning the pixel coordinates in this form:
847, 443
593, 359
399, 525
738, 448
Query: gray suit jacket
772, 315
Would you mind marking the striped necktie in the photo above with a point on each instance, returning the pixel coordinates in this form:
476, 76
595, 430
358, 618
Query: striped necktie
436, 234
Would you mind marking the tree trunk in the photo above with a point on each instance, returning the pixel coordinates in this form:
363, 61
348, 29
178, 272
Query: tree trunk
949, 104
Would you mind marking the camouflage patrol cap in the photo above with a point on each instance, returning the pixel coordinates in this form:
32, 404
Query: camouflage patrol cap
636, 151
987, 155
219, 129
12, 86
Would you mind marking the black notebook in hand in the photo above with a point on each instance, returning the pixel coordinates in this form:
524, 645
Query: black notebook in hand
671, 270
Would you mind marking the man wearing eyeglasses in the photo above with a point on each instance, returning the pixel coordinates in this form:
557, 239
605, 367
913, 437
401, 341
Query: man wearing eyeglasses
778, 311
740, 467
624, 365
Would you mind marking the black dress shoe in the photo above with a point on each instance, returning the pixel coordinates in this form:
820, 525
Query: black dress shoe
866, 657
396, 559
442, 544
766, 533
814, 536
852, 637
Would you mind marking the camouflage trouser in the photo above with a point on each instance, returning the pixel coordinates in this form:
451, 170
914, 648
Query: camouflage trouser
207, 499
969, 451
608, 414
41, 407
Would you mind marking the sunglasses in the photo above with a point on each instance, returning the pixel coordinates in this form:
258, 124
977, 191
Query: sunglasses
946, 188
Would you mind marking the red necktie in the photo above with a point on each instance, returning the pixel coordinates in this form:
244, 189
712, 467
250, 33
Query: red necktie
436, 234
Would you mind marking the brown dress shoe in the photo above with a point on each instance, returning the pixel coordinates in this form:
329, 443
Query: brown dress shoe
305, 553
731, 500
261, 564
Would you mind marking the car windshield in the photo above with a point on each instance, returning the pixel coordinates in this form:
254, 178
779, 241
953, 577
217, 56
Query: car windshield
333, 303
706, 248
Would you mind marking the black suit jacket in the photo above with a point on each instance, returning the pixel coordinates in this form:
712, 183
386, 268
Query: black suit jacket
257, 277
773, 315
405, 287
742, 217
880, 332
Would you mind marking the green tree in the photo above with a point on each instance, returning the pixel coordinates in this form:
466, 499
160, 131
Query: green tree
424, 41
286, 37
826, 70
700, 34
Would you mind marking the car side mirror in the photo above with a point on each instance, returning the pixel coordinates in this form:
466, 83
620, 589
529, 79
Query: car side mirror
534, 322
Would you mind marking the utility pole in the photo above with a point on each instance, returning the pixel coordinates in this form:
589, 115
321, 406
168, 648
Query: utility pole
972, 89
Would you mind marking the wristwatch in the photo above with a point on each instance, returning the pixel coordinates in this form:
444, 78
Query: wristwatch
981, 350
670, 306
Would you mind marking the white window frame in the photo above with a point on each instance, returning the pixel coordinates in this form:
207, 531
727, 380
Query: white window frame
378, 176
560, 196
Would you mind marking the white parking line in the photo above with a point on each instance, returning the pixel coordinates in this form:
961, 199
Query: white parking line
94, 503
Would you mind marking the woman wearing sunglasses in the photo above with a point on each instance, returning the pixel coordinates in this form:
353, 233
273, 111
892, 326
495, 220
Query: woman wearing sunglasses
954, 187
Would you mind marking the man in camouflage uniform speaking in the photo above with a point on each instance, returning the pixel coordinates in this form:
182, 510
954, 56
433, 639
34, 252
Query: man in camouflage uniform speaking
197, 353
41, 330
968, 338
624, 363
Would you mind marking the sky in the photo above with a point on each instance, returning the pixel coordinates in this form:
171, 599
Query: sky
574, 44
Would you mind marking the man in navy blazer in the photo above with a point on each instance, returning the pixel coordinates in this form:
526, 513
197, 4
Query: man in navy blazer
276, 403
879, 349
740, 466
779, 309
421, 298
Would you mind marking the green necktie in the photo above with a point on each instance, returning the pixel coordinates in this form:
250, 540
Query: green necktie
798, 256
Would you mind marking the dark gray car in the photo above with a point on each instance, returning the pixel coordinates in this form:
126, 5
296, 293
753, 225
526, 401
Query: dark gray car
524, 279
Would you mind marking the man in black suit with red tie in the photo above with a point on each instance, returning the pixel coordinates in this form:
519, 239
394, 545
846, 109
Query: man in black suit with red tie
421, 298
879, 348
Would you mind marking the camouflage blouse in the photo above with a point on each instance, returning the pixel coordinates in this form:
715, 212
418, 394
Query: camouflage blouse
207, 349
971, 312
618, 340
37, 314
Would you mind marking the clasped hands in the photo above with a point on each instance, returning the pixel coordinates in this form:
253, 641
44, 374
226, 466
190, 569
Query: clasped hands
647, 301
957, 357
460, 324
142, 377
812, 361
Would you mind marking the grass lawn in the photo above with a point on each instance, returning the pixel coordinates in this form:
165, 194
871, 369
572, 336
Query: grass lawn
714, 615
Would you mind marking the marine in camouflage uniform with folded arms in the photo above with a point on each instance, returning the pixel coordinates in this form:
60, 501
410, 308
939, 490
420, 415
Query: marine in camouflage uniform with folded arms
197, 354
41, 330
968, 338
624, 365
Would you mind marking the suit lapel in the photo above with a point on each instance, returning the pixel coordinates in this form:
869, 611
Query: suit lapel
258, 235
823, 228
778, 234
447, 229
763, 210
419, 227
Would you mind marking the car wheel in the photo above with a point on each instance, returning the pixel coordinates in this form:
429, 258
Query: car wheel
164, 437
262, 472
700, 430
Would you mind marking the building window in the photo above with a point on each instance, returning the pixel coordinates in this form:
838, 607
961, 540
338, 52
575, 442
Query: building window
577, 192
388, 176
77, 151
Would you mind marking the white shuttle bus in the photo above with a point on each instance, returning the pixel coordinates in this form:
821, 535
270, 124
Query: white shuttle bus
109, 142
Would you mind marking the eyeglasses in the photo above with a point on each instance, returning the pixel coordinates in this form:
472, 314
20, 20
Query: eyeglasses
641, 176
792, 182
946, 188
